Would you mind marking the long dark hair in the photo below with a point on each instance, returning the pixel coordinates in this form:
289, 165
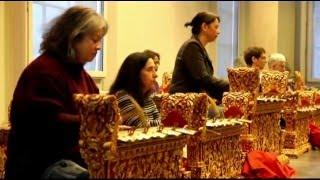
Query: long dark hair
201, 17
128, 77
151, 53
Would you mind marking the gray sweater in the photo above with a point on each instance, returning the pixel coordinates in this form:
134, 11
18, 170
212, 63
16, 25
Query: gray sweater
193, 72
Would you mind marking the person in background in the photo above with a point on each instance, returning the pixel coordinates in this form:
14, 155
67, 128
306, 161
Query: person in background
156, 59
239, 62
44, 121
255, 57
133, 87
277, 62
193, 70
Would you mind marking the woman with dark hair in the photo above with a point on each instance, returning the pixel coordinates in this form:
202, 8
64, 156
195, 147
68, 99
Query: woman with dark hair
155, 56
44, 121
156, 59
193, 71
133, 87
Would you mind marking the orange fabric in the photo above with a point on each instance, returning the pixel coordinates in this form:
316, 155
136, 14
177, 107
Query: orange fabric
314, 136
261, 164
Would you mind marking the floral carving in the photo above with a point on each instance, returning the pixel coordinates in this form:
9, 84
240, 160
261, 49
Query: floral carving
274, 83
3, 149
265, 128
192, 107
297, 114
264, 112
109, 157
316, 114
218, 155
306, 99
236, 104
317, 98
244, 79
100, 118
158, 159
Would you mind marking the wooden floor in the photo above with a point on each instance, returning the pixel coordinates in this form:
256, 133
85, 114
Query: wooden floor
307, 165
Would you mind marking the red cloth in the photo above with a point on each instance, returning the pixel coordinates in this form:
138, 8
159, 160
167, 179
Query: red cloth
261, 164
174, 118
317, 101
233, 112
185, 164
314, 136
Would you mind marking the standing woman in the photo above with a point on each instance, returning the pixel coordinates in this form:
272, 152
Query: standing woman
193, 71
44, 121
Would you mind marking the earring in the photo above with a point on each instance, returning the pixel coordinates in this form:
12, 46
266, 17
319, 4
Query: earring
71, 53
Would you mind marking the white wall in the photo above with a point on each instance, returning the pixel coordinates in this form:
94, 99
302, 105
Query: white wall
270, 25
301, 38
14, 50
263, 25
159, 26
286, 31
2, 66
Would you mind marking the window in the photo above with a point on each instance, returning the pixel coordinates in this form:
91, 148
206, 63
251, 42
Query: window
44, 11
313, 44
316, 41
228, 39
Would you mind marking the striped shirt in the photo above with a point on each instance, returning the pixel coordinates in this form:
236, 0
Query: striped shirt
131, 111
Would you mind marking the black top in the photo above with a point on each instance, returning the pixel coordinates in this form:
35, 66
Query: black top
38, 136
193, 72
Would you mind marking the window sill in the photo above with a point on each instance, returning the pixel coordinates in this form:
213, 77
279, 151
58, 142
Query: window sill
97, 74
313, 84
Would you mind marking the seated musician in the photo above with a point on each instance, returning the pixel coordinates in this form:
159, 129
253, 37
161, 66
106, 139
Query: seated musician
133, 87
255, 57
43, 118
277, 62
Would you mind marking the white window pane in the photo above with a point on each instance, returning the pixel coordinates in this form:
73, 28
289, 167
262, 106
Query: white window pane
61, 4
316, 42
96, 64
51, 13
92, 4
316, 63
91, 65
37, 21
45, 11
228, 38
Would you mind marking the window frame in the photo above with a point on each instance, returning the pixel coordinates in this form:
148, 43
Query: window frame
97, 75
235, 39
310, 45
